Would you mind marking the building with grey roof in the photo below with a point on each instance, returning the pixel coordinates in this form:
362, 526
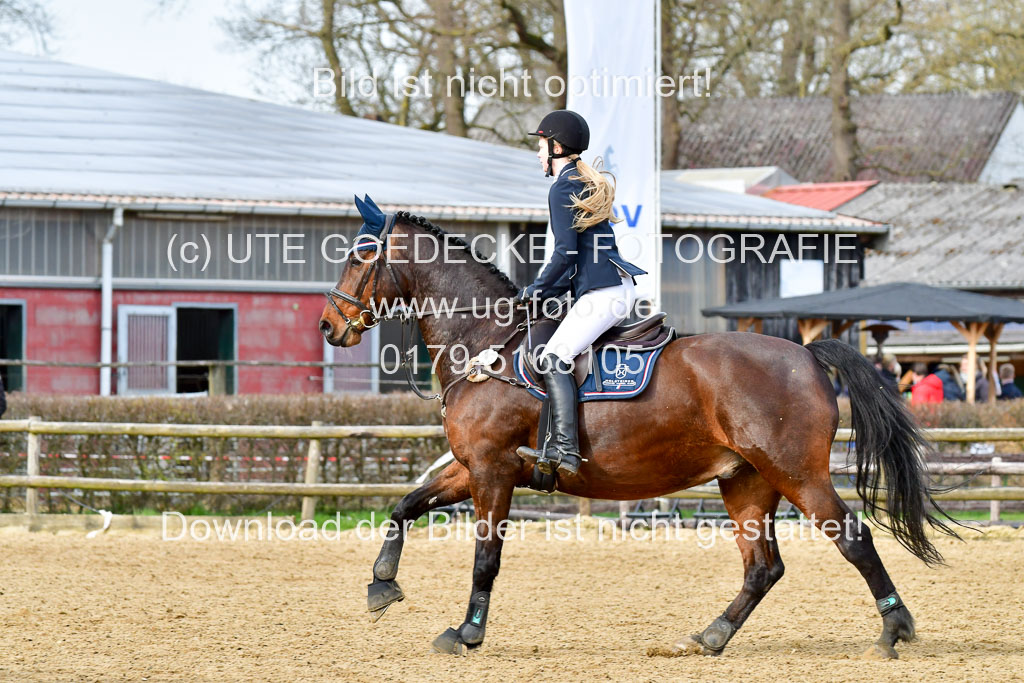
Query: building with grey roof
102, 171
948, 137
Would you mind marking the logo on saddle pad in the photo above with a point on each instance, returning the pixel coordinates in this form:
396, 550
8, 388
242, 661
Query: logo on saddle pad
615, 373
622, 377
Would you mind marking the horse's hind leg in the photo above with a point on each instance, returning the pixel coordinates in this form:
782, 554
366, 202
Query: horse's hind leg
449, 487
751, 503
820, 503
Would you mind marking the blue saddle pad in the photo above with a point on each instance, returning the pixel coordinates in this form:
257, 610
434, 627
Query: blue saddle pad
614, 373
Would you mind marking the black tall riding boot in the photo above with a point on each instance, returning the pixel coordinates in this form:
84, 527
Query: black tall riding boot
563, 450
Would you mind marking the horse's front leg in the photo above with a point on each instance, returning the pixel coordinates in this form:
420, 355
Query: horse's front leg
447, 488
492, 497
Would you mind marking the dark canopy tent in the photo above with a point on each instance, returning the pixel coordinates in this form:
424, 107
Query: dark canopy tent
972, 314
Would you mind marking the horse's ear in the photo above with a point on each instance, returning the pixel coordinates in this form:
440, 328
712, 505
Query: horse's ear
370, 202
372, 216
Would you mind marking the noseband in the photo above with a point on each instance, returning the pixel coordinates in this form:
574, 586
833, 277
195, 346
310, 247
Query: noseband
365, 319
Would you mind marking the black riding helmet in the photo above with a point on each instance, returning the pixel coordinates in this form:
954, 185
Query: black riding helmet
566, 127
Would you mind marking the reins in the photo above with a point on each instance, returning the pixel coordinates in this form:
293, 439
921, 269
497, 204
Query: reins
408, 319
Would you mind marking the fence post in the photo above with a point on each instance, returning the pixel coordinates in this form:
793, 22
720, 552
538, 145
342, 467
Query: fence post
584, 507
217, 376
312, 474
624, 513
993, 505
32, 455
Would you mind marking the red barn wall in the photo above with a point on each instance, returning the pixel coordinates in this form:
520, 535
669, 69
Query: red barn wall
64, 325
60, 325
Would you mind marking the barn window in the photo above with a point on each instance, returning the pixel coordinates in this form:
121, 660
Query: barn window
801, 277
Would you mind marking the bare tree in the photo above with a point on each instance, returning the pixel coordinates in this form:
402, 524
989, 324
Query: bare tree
967, 45
716, 38
762, 48
844, 131
454, 42
21, 19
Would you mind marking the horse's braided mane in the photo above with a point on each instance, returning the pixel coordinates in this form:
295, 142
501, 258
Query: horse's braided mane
479, 258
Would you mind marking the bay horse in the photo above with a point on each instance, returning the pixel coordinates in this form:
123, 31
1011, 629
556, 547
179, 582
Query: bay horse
755, 412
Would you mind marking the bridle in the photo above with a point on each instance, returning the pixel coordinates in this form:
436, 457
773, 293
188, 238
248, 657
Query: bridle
366, 319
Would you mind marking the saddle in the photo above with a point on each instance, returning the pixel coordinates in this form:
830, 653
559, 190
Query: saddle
640, 339
642, 342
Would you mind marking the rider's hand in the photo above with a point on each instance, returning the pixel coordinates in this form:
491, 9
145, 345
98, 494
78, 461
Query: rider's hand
523, 296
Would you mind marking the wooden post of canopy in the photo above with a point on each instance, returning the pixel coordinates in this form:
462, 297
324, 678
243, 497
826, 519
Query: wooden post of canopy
748, 323
810, 328
992, 333
972, 332
840, 326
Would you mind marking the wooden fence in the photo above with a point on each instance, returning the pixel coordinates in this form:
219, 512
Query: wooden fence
35, 427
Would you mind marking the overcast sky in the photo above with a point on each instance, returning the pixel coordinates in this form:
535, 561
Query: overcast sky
182, 44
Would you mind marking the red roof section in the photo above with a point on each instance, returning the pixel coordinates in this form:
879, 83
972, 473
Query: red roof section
824, 196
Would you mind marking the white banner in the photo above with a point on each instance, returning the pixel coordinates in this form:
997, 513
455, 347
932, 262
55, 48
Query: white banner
613, 69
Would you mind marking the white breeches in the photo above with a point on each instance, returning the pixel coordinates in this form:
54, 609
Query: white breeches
590, 316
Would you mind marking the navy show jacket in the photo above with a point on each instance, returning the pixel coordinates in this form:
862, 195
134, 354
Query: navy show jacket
579, 260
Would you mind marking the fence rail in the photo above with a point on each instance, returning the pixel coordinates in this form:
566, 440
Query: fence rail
33, 427
389, 490
37, 426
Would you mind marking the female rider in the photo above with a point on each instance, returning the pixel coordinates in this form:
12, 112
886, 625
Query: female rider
585, 260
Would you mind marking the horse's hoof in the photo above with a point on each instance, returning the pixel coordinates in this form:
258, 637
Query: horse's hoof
693, 645
449, 643
881, 651
380, 595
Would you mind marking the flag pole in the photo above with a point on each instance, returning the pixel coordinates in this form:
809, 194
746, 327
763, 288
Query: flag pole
657, 156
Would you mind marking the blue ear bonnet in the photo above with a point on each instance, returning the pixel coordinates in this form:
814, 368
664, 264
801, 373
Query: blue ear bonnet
374, 222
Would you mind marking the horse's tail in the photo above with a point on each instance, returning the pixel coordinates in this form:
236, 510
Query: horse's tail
889, 448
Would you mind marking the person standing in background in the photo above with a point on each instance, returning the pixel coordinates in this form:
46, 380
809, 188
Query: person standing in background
952, 384
1010, 389
980, 381
927, 386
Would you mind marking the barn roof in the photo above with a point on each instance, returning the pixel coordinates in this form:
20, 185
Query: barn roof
957, 235
74, 136
894, 301
825, 196
917, 137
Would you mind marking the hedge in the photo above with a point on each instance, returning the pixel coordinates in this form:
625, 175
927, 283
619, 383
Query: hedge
214, 459
248, 459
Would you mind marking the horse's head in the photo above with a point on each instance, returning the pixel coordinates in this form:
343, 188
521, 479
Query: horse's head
367, 279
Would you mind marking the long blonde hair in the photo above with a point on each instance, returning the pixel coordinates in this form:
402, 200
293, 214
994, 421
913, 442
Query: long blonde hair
598, 197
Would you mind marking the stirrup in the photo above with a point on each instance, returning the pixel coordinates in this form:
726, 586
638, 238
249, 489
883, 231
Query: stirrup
530, 455
567, 463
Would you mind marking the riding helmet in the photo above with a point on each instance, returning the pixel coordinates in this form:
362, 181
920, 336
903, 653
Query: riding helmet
568, 128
